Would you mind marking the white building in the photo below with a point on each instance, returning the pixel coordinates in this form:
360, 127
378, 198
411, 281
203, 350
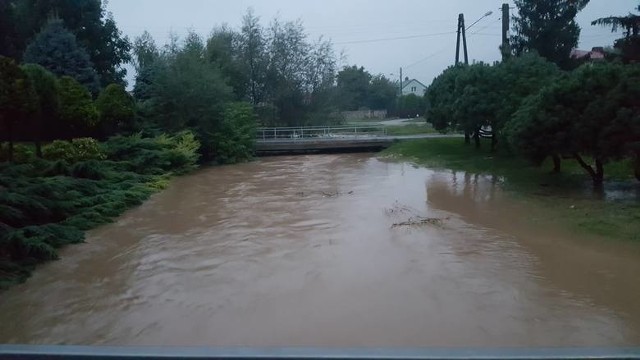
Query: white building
413, 86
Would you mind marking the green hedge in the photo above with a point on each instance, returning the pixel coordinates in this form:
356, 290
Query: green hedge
45, 204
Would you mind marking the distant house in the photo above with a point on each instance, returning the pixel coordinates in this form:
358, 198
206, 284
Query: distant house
413, 86
596, 54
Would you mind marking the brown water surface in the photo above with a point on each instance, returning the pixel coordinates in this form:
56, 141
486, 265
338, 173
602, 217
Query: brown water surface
303, 251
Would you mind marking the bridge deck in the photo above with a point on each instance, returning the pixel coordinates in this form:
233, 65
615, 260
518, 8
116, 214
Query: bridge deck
333, 139
329, 144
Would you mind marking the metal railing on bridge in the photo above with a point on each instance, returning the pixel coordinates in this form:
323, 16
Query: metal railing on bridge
319, 132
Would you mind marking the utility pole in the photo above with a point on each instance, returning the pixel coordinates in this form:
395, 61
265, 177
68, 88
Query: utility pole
506, 47
400, 81
462, 32
460, 17
464, 42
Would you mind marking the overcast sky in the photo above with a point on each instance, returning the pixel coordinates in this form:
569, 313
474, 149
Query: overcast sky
358, 27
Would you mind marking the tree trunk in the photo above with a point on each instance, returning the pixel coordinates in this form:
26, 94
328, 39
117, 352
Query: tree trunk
494, 142
10, 136
476, 137
39, 149
556, 163
596, 175
467, 137
599, 173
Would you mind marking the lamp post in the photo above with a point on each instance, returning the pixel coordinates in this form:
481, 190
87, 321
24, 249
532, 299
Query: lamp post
462, 32
488, 13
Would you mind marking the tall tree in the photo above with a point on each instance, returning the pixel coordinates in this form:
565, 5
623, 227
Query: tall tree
9, 37
18, 100
45, 85
353, 87
253, 54
321, 66
145, 51
224, 50
89, 21
185, 91
56, 49
547, 27
382, 93
287, 86
629, 45
145, 54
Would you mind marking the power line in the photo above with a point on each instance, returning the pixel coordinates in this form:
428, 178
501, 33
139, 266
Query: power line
432, 55
485, 27
427, 57
393, 38
486, 34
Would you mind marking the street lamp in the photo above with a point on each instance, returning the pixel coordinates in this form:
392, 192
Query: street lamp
462, 31
489, 13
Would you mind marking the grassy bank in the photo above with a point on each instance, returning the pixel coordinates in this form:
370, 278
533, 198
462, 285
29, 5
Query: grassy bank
48, 203
411, 129
567, 198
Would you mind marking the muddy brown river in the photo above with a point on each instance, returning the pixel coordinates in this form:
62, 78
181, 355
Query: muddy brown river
331, 251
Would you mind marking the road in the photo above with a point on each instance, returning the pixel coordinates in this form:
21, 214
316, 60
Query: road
393, 122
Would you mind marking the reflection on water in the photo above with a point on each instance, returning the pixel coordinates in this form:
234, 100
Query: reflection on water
301, 251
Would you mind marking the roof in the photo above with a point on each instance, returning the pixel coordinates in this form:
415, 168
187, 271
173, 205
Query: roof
407, 83
595, 54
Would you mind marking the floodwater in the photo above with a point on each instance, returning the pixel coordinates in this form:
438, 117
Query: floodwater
330, 251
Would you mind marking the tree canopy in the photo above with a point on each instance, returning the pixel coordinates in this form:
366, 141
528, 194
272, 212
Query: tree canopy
480, 95
93, 27
77, 110
353, 87
547, 27
56, 49
629, 44
18, 100
116, 109
592, 112
356, 88
45, 85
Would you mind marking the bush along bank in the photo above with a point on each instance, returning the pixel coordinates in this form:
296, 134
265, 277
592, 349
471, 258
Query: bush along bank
46, 203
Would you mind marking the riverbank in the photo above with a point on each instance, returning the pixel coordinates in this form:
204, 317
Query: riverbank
411, 129
48, 203
566, 199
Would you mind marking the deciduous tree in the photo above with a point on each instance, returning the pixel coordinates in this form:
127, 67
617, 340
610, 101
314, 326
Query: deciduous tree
253, 56
353, 86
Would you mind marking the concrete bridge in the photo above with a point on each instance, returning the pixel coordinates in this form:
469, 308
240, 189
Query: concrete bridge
327, 139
